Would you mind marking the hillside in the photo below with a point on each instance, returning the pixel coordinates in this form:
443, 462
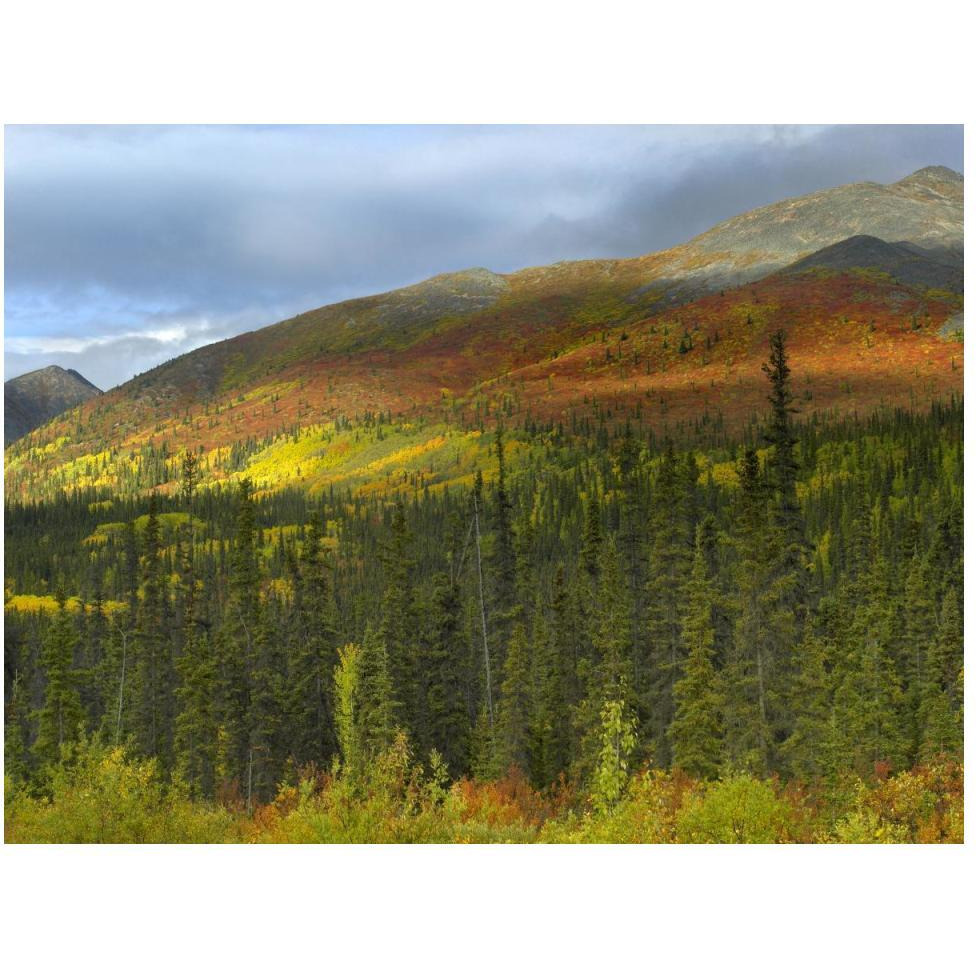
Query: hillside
924, 209
37, 397
863, 277
907, 263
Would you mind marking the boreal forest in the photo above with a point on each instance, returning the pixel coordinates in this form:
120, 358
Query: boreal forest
608, 635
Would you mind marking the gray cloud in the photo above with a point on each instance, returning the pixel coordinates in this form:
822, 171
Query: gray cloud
127, 246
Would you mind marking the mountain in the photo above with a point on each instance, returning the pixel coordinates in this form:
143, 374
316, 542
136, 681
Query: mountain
924, 209
35, 398
907, 263
664, 339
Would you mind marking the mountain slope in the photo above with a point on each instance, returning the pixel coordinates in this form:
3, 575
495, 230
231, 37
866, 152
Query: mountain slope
35, 398
663, 337
924, 209
907, 263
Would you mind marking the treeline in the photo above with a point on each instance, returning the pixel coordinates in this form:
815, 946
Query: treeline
793, 607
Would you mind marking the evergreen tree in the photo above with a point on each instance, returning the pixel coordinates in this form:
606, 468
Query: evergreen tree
695, 732
151, 673
236, 646
377, 706
512, 733
448, 728
16, 735
196, 728
746, 676
917, 624
940, 706
806, 751
61, 717
551, 729
313, 657
869, 694
592, 537
668, 572
265, 710
787, 516
483, 750
399, 624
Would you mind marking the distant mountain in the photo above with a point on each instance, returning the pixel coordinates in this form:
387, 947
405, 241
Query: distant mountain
924, 209
906, 263
31, 400
664, 336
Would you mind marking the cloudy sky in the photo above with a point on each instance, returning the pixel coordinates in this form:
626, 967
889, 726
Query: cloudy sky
126, 246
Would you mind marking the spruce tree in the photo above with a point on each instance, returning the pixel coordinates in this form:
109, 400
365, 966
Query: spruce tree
666, 578
236, 646
592, 537
917, 624
313, 652
746, 676
695, 732
512, 732
784, 470
195, 745
377, 706
61, 717
16, 733
940, 705
805, 751
869, 695
550, 725
442, 656
151, 671
399, 627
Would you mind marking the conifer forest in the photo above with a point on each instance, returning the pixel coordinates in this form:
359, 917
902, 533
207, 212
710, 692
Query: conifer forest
720, 633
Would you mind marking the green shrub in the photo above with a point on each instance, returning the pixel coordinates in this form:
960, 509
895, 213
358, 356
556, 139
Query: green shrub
738, 810
94, 795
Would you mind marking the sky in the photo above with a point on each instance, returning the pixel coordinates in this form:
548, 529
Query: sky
127, 246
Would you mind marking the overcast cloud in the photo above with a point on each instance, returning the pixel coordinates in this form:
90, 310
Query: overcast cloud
128, 246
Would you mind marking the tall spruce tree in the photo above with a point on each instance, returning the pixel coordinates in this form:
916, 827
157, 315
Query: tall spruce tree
442, 659
940, 701
152, 678
236, 646
399, 628
61, 717
746, 676
668, 571
869, 695
313, 652
512, 732
695, 732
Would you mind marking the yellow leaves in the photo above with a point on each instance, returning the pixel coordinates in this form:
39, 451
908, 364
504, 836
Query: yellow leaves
401, 457
29, 603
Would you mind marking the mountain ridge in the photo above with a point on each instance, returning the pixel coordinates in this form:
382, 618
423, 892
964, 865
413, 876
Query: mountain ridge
32, 399
456, 345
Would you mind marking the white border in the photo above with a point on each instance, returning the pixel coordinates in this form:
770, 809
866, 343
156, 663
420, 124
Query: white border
534, 910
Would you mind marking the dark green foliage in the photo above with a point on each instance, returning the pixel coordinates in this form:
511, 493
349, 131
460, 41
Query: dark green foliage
152, 678
312, 652
60, 719
695, 732
400, 622
940, 705
669, 561
512, 729
376, 705
784, 603
447, 727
